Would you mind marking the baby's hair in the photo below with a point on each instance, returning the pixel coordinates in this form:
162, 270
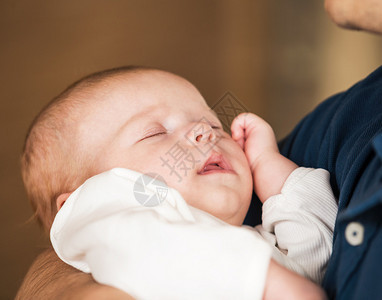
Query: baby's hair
51, 164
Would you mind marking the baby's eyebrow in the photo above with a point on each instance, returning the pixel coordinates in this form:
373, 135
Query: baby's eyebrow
214, 113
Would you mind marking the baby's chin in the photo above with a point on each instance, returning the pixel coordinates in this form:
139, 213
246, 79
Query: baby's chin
228, 206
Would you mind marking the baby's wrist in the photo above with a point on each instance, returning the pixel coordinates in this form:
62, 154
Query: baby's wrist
270, 173
258, 165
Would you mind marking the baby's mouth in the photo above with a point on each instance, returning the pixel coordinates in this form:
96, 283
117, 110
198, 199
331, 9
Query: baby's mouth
212, 167
216, 163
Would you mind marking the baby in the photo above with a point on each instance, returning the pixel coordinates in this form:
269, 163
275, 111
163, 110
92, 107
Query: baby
129, 118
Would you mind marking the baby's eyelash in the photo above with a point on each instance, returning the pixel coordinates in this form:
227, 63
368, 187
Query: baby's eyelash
159, 133
154, 134
165, 132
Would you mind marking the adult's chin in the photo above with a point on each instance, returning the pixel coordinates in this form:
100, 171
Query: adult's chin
356, 14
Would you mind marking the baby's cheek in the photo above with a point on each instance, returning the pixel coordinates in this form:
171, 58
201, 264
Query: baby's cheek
238, 154
236, 148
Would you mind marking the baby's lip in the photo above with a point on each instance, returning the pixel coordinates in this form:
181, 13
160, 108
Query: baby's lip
216, 162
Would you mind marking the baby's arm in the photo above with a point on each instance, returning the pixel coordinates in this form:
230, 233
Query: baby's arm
299, 222
269, 168
299, 217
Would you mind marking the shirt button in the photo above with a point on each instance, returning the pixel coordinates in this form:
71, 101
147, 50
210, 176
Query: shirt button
354, 233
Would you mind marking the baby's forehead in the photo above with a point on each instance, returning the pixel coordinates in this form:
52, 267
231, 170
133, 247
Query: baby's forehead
135, 96
146, 78
148, 89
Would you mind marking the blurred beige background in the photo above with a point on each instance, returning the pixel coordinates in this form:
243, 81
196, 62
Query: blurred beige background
279, 58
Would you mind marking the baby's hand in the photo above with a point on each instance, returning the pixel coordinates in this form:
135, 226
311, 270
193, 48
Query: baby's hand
269, 168
255, 137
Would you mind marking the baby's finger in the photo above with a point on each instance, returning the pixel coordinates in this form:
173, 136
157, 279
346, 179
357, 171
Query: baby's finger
241, 142
238, 129
239, 124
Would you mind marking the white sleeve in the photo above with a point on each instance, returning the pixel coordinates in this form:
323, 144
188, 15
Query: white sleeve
169, 251
299, 222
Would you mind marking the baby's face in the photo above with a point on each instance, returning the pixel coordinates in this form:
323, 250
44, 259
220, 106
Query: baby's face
157, 122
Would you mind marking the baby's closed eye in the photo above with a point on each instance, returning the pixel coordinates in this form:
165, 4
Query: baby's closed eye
159, 131
154, 132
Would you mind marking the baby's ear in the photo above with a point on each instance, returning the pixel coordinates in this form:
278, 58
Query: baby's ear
61, 200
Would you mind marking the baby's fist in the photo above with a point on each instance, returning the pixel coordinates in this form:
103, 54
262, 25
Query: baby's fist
255, 137
269, 168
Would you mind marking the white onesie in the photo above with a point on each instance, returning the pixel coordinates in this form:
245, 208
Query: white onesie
175, 251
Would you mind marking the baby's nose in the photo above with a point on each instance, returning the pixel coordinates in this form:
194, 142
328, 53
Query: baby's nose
201, 133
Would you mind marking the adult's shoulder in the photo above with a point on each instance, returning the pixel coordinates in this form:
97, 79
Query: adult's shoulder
338, 135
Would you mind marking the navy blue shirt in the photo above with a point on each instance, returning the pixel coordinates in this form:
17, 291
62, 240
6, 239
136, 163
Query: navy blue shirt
344, 136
